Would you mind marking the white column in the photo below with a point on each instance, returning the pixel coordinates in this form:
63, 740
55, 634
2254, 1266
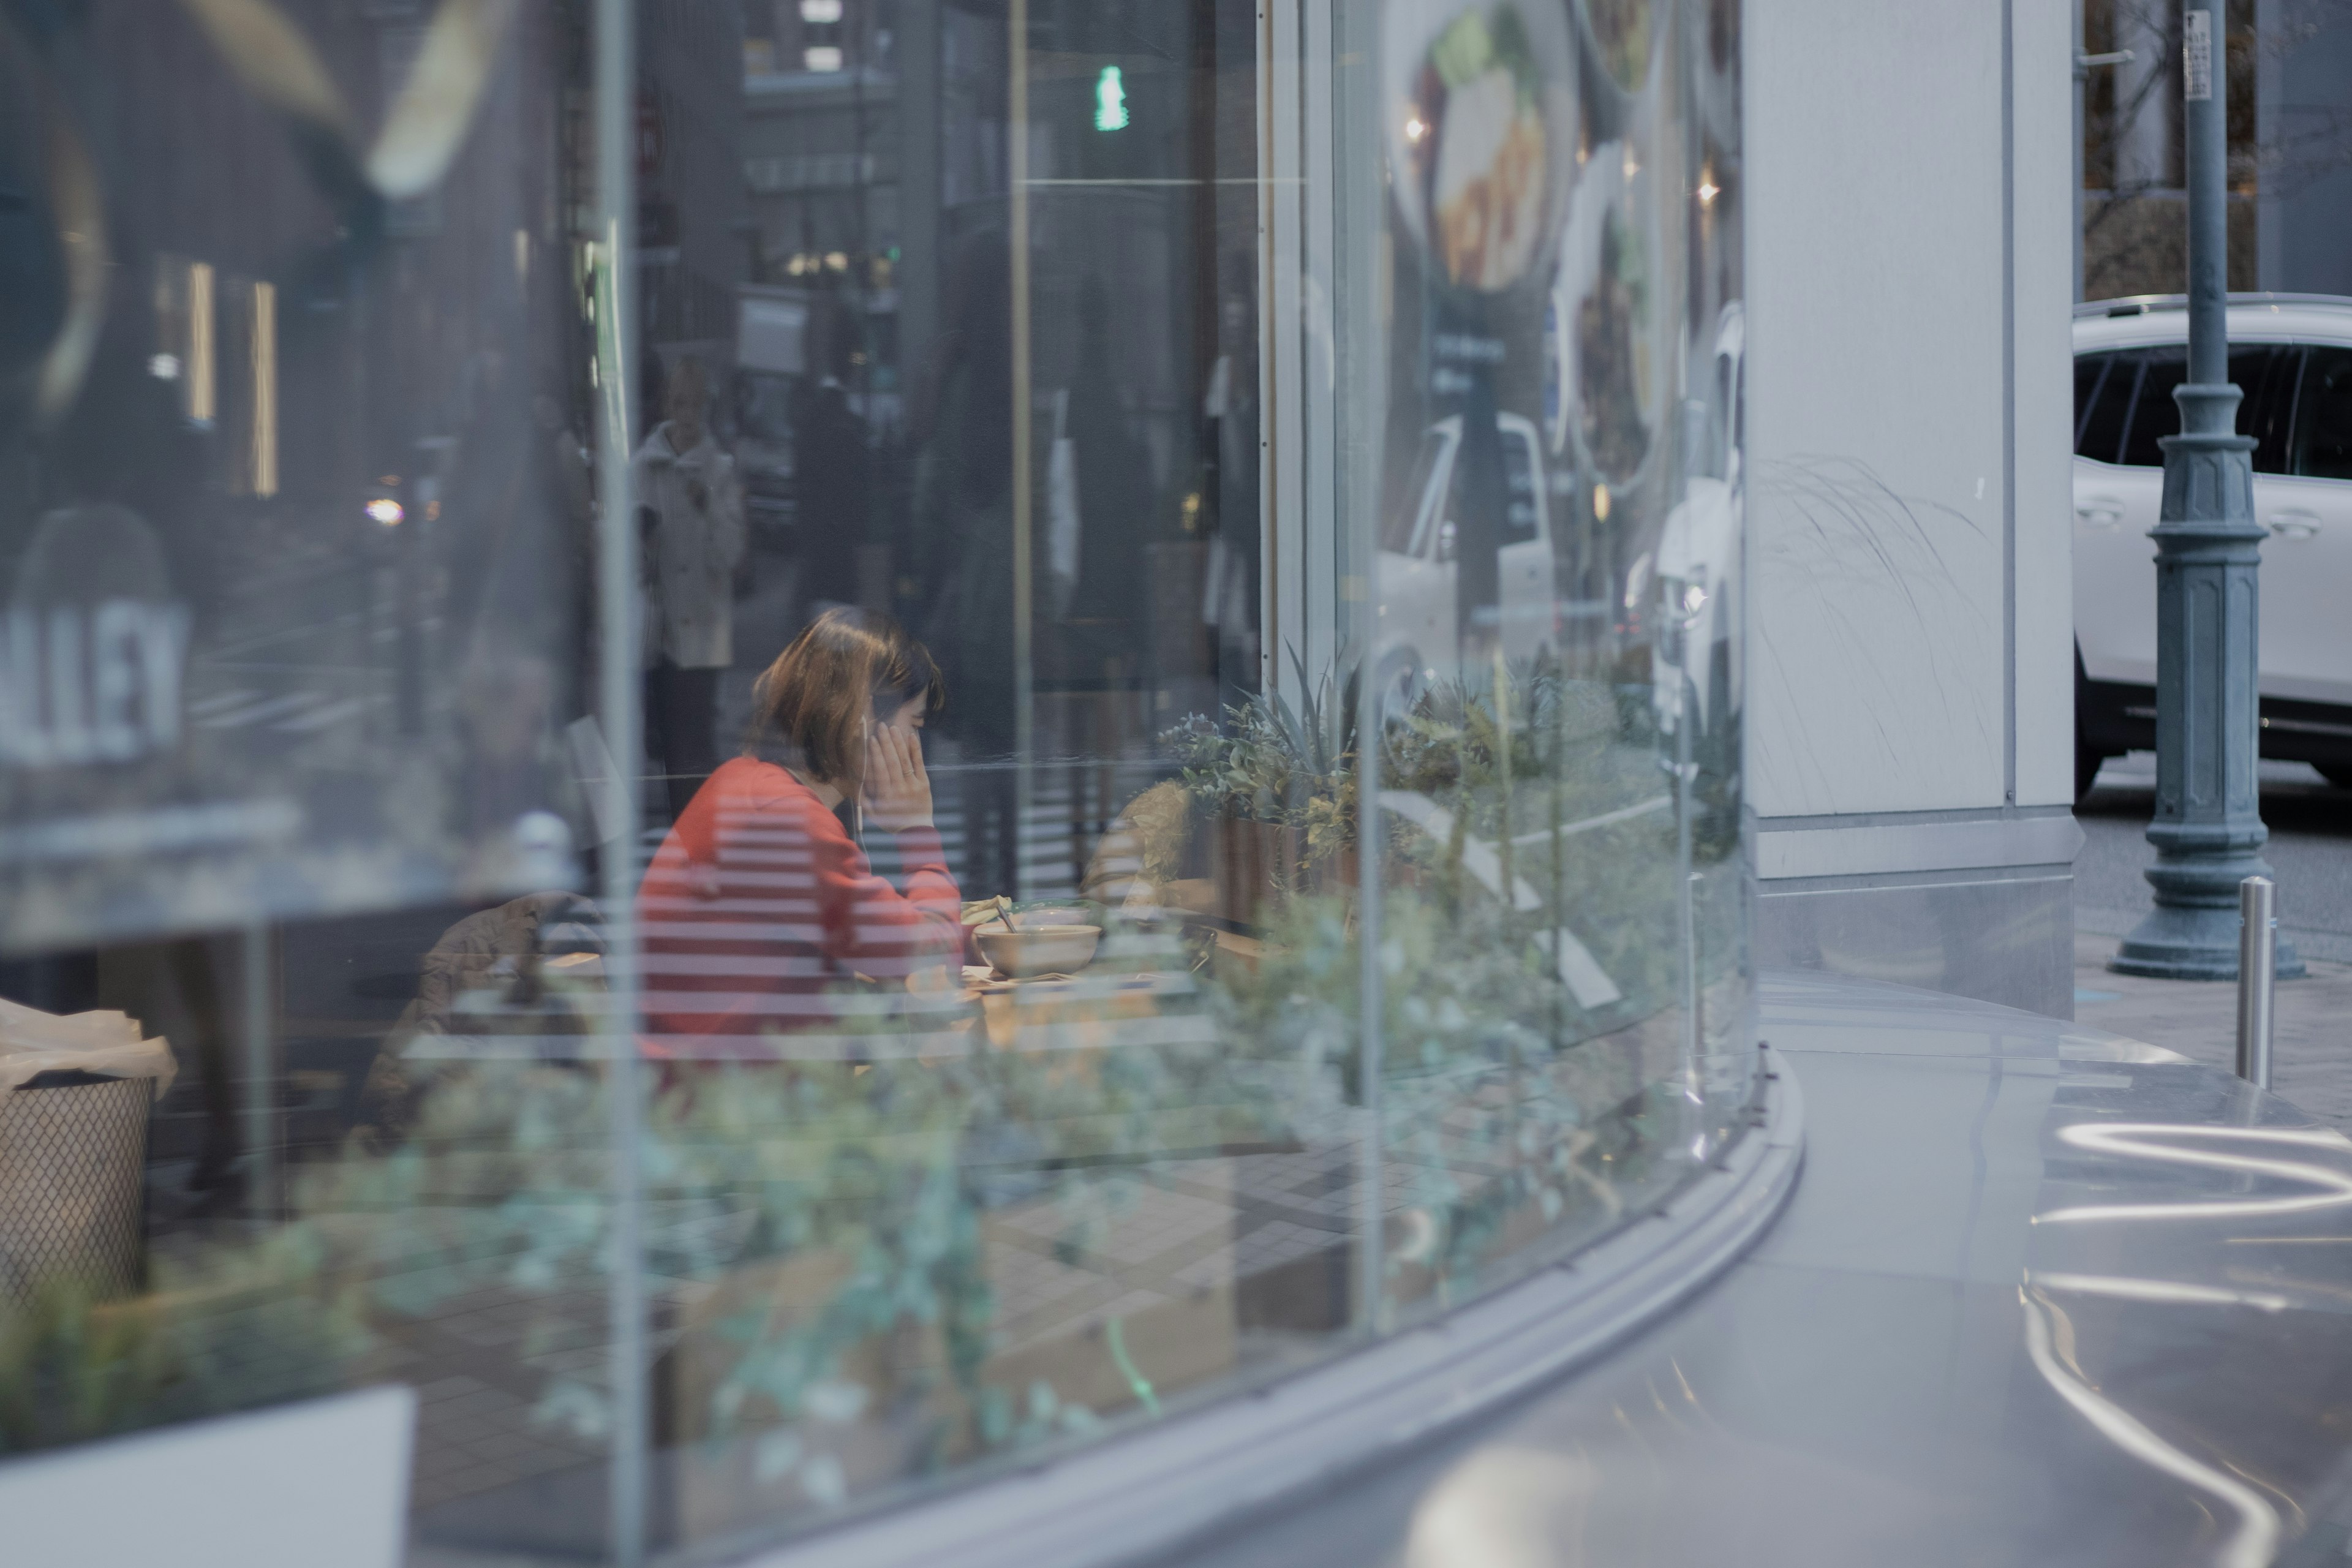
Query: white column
1909, 464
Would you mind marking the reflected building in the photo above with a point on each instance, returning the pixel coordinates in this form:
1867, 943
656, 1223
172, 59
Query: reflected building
335, 409
693, 244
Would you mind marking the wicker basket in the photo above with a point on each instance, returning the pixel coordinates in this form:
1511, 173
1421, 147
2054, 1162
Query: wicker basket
73, 1156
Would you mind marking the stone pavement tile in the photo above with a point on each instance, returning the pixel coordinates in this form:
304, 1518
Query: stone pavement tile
2311, 1037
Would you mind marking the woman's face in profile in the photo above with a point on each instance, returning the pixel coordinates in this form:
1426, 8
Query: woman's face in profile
909, 714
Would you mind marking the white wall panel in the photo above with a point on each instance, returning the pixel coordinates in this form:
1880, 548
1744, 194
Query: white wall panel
321, 1484
2042, 37
1877, 404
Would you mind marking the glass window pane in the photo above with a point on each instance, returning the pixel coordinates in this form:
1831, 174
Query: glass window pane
2154, 414
1055, 1098
1523, 486
1403, 529
298, 948
1086, 749
2102, 389
2268, 378
2323, 418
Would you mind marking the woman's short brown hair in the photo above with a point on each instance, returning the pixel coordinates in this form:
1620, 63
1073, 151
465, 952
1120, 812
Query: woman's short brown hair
810, 708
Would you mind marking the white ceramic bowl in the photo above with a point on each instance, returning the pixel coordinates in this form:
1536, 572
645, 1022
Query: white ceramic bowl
1029, 949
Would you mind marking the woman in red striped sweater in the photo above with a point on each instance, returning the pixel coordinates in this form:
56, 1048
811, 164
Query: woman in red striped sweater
765, 930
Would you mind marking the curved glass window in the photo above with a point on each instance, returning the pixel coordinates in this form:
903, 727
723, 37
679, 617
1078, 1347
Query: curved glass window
921, 731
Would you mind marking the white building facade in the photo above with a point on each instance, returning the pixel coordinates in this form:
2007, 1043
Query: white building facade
1910, 439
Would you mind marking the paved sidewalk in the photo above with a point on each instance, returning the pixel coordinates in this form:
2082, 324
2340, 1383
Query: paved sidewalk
2311, 848
2312, 1062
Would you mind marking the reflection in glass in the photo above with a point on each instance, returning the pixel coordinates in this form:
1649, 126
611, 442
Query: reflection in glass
1189, 582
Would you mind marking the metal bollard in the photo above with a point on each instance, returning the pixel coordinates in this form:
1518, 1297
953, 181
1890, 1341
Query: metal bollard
2257, 976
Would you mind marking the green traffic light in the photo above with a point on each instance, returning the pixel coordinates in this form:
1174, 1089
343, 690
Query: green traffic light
1110, 100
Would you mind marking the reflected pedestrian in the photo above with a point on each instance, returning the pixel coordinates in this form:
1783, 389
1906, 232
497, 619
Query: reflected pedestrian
693, 515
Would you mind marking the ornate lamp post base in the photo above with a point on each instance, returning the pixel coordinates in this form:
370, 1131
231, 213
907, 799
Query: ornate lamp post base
2180, 943
2207, 830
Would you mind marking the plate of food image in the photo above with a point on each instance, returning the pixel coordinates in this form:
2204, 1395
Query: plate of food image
1481, 127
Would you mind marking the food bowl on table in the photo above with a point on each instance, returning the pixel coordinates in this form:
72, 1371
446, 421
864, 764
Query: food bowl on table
989, 912
1031, 950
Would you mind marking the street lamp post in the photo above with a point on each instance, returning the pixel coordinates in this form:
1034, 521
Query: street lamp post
2208, 830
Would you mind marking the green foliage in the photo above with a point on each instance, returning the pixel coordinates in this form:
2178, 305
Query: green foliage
1492, 1096
1271, 763
882, 1174
246, 1325
833, 1218
1533, 747
1502, 1092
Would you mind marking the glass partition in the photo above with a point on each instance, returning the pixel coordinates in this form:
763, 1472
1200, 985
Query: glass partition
920, 732
297, 530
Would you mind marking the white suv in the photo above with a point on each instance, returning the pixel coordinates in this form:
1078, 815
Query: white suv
2292, 356
1418, 639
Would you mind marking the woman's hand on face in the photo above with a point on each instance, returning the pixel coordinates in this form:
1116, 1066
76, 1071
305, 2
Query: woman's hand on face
897, 793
